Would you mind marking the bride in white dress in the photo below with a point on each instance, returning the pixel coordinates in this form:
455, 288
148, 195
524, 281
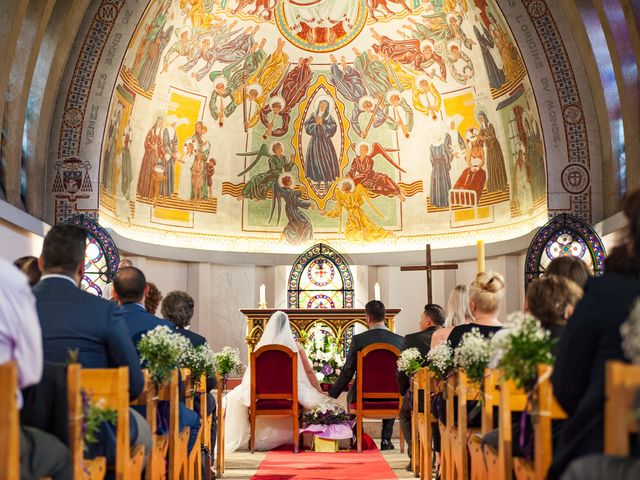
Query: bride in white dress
271, 431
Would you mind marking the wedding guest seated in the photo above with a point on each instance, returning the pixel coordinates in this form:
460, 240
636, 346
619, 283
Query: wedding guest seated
590, 339
41, 454
129, 290
570, 267
458, 313
108, 290
177, 307
29, 266
271, 431
377, 333
74, 320
431, 322
152, 298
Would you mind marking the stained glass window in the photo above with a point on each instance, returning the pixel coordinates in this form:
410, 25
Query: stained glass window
564, 235
101, 255
320, 278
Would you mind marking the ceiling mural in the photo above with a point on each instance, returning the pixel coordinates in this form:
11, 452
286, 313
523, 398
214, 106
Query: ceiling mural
374, 125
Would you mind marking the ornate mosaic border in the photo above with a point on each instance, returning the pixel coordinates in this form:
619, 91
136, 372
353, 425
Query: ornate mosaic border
575, 180
320, 250
573, 224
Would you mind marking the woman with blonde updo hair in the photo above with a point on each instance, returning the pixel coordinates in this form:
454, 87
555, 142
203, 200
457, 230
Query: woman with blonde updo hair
458, 313
485, 296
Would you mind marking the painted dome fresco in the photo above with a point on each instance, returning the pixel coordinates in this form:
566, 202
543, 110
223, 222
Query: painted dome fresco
373, 125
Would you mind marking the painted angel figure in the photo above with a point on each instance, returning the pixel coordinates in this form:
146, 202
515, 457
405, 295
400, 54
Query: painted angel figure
350, 198
426, 98
299, 228
261, 184
362, 172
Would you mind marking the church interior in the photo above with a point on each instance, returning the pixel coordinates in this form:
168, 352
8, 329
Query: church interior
256, 193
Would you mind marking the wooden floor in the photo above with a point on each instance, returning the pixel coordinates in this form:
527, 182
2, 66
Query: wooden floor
243, 465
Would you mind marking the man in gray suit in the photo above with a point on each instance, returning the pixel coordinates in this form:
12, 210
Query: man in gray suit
377, 333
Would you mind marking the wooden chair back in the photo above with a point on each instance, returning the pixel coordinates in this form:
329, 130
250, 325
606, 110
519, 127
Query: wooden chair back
178, 440
377, 394
193, 389
418, 420
422, 424
219, 460
9, 423
110, 387
274, 387
491, 400
83, 469
622, 382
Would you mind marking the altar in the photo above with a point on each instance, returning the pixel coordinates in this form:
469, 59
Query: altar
338, 321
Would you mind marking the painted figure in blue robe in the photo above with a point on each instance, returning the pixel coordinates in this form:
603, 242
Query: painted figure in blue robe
441, 157
299, 227
495, 74
321, 161
170, 146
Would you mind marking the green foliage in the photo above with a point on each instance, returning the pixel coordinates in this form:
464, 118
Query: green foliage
94, 416
227, 361
200, 360
161, 351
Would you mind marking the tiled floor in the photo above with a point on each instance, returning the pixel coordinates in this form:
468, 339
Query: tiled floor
242, 465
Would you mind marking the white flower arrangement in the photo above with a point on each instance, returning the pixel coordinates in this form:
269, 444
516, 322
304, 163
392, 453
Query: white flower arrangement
473, 354
227, 361
440, 360
518, 349
200, 360
410, 361
324, 354
630, 332
161, 350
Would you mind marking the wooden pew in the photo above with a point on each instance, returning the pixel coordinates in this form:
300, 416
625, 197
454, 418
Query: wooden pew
422, 428
156, 463
83, 469
548, 410
111, 386
446, 425
500, 462
190, 392
622, 382
178, 441
459, 434
9, 423
491, 397
219, 460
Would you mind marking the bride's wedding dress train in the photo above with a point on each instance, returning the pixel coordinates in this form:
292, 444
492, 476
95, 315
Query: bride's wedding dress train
271, 431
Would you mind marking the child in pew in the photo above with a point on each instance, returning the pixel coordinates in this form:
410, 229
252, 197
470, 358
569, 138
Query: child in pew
551, 299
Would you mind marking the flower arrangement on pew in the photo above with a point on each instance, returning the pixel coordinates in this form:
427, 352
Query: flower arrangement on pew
329, 421
440, 361
473, 355
521, 348
325, 356
226, 362
410, 361
94, 415
200, 360
161, 351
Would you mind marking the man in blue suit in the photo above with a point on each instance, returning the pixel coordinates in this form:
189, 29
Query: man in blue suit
129, 290
74, 320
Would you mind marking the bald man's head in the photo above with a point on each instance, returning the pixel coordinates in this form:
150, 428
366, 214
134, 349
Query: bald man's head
129, 285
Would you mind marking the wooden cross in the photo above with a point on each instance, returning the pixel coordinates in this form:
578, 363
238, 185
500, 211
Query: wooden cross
429, 268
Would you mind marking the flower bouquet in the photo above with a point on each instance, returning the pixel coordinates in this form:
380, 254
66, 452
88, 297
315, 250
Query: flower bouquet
325, 356
94, 415
440, 361
227, 361
410, 361
472, 355
200, 360
161, 350
328, 422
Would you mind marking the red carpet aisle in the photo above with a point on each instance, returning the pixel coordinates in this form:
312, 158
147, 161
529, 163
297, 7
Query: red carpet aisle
280, 465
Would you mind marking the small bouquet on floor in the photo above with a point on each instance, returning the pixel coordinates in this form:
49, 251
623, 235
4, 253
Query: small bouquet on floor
522, 346
201, 361
410, 361
440, 361
227, 361
472, 355
161, 350
329, 421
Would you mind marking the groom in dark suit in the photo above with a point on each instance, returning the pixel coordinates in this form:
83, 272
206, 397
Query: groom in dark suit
377, 333
432, 319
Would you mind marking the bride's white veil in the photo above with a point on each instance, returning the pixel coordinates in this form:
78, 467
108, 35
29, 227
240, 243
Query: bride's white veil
278, 332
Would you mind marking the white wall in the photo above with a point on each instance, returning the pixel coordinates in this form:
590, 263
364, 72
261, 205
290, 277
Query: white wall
20, 233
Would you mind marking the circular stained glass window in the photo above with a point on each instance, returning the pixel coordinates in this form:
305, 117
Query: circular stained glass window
565, 243
96, 271
321, 273
321, 301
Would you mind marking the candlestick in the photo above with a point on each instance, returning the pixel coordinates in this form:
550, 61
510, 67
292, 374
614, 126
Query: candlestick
481, 265
263, 297
376, 291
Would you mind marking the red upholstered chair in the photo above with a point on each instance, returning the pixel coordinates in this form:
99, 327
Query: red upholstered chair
274, 387
377, 392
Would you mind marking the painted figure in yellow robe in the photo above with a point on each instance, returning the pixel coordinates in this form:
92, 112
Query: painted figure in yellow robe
508, 52
425, 96
359, 228
272, 69
197, 13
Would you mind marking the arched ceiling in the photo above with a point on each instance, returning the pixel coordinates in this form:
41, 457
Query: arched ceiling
372, 125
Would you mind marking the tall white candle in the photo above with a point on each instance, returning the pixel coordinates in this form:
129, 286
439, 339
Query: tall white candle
376, 291
263, 294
